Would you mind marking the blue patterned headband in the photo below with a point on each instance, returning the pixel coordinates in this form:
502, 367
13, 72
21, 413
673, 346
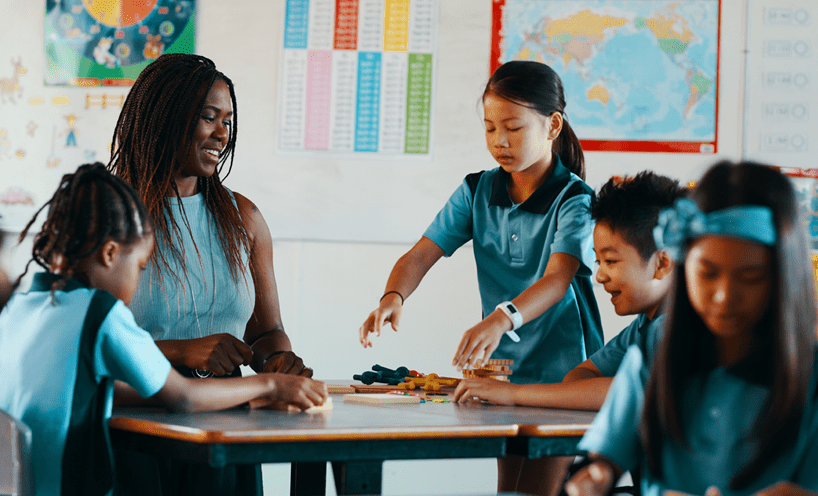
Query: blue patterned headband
685, 221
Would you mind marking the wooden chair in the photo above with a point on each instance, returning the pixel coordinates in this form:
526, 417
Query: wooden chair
15, 457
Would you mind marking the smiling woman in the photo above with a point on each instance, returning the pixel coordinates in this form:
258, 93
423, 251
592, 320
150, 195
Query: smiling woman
208, 296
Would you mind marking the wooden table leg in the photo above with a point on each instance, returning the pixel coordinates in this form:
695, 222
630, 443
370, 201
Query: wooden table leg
358, 477
308, 479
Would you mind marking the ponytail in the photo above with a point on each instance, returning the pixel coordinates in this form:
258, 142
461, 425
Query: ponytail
567, 146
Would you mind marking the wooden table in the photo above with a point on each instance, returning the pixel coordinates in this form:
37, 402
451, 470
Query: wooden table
356, 438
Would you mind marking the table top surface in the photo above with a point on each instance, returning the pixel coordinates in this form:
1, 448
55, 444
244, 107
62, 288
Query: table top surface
347, 421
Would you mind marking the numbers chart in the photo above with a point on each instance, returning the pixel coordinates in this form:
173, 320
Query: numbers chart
357, 77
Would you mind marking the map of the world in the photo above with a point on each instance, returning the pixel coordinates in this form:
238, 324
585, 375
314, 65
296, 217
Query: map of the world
638, 75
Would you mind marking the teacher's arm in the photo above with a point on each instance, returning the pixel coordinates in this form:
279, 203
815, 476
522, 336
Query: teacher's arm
272, 351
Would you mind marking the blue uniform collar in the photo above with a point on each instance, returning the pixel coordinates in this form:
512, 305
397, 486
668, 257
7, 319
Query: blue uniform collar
542, 199
43, 281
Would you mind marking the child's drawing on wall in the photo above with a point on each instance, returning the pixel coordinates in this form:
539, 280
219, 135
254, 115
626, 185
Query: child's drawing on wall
8, 86
5, 144
72, 132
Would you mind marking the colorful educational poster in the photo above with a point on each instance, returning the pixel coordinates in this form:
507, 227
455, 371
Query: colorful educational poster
109, 42
638, 76
357, 77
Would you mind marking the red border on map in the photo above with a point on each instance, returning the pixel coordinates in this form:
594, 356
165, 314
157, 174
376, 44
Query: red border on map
707, 147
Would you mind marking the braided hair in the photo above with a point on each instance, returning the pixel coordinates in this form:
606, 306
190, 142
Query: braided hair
89, 208
155, 132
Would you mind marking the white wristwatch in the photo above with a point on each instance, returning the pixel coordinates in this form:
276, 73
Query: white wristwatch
515, 316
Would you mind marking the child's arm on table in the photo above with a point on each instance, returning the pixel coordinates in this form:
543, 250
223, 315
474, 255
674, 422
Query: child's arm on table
480, 341
194, 395
405, 277
588, 394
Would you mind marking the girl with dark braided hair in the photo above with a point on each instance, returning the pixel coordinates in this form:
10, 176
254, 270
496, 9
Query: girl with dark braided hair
65, 342
210, 282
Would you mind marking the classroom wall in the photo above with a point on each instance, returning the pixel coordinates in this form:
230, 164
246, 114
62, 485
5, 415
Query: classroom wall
328, 286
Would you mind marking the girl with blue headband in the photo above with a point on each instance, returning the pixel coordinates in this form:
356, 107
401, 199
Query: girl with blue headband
728, 405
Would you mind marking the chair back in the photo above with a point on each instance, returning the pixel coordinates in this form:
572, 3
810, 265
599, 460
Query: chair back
15, 457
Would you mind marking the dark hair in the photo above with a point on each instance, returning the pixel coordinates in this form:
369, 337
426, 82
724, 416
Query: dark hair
155, 132
631, 206
784, 338
538, 87
89, 208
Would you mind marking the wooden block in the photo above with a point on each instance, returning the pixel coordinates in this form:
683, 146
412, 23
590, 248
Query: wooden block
273, 405
320, 408
380, 399
375, 388
339, 389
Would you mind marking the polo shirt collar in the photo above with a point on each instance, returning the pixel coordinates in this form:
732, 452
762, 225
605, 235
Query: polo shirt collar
43, 281
542, 199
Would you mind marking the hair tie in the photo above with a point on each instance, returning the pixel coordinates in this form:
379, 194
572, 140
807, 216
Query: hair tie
685, 221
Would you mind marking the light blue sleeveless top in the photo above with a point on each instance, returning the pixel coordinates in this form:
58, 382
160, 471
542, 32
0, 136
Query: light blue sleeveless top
206, 300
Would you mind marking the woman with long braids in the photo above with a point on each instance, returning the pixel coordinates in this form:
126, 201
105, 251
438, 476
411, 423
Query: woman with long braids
208, 296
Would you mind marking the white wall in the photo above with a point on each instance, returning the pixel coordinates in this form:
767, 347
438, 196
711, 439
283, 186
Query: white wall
327, 288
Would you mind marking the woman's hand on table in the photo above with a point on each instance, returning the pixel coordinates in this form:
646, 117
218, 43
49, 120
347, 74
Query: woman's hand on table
218, 353
287, 362
491, 390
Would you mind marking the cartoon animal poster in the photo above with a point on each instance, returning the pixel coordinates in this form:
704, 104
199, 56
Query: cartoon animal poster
109, 42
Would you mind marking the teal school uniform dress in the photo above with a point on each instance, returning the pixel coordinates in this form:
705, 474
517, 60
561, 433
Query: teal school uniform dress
206, 300
720, 409
642, 332
59, 357
512, 244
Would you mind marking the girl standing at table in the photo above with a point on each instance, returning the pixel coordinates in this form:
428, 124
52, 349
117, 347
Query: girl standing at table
729, 404
531, 226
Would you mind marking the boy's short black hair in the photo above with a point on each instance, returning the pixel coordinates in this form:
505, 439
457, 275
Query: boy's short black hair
630, 207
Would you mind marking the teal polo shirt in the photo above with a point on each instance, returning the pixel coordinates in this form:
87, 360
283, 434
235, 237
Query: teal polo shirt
60, 352
512, 245
641, 330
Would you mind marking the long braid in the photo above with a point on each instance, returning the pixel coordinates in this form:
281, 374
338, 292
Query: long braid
154, 133
90, 207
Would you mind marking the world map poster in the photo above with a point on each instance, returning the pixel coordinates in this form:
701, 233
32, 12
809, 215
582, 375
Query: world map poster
638, 76
109, 42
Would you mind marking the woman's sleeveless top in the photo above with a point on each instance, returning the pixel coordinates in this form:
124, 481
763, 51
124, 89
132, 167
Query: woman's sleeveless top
198, 297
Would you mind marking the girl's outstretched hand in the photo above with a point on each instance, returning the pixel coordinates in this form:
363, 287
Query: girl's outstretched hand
493, 391
480, 341
595, 479
389, 310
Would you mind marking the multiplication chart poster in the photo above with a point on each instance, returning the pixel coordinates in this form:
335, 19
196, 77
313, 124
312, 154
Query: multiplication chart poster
357, 77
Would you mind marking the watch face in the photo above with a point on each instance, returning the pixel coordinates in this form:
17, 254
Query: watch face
511, 308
